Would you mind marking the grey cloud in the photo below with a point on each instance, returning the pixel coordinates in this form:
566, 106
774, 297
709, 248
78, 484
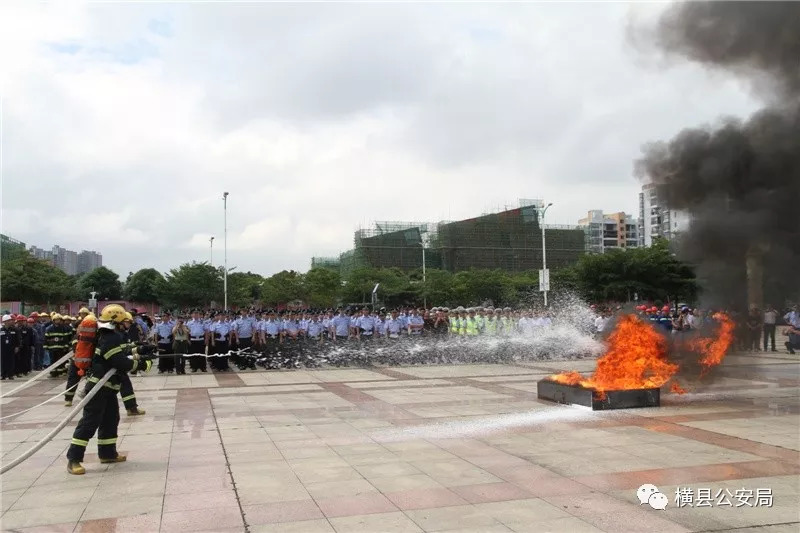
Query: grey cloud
313, 113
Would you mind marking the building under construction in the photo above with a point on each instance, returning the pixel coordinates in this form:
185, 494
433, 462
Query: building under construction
509, 240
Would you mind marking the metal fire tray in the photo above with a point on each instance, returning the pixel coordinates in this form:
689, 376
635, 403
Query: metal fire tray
598, 401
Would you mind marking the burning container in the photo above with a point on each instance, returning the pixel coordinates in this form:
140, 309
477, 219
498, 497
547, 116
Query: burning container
598, 400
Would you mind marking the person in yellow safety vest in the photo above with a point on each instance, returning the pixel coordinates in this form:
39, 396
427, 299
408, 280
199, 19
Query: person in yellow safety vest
471, 324
490, 325
508, 321
456, 321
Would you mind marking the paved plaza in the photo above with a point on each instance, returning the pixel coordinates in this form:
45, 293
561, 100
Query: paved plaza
422, 448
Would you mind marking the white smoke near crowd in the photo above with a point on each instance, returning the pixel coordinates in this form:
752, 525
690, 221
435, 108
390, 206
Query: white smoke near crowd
565, 332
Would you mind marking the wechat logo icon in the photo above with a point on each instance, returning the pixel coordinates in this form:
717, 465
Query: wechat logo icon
649, 494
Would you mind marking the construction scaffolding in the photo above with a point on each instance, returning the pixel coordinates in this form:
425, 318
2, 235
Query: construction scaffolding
510, 240
325, 262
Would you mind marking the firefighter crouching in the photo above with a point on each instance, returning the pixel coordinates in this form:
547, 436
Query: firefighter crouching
101, 413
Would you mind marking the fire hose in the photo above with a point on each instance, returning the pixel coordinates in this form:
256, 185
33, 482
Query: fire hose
47, 438
39, 375
40, 404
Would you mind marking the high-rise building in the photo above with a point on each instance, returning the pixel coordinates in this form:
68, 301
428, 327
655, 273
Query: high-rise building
39, 253
656, 219
88, 260
605, 231
66, 260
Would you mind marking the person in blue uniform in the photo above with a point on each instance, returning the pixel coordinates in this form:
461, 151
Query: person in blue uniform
340, 327
244, 328
197, 342
365, 326
220, 332
163, 334
271, 338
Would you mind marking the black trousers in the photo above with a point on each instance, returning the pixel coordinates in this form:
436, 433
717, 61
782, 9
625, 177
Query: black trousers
244, 361
23, 362
179, 348
100, 415
197, 363
55, 355
165, 364
220, 363
38, 357
72, 382
769, 334
126, 391
8, 361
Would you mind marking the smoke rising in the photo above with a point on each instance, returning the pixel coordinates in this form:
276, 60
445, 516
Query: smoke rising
739, 179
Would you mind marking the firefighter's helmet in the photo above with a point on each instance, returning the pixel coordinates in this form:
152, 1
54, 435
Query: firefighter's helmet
113, 313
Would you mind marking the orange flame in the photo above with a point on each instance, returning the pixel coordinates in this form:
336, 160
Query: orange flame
714, 349
637, 357
677, 389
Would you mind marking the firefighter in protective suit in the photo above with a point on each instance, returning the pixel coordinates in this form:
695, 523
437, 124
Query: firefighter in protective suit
101, 413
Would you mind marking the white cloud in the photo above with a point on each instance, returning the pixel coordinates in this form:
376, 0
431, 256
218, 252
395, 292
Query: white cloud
319, 118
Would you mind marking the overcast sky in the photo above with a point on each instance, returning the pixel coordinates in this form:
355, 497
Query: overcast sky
123, 125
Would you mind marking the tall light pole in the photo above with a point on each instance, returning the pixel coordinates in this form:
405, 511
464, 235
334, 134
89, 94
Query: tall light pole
225, 264
424, 285
545, 282
211, 240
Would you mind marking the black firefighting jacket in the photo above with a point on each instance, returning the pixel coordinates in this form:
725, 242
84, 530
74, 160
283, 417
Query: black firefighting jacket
114, 351
57, 337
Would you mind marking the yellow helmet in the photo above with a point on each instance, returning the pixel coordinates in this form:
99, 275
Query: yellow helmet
128, 316
84, 311
113, 313
56, 316
53, 314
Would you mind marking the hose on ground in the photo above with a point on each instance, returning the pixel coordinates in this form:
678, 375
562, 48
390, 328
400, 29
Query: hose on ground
39, 375
40, 404
47, 438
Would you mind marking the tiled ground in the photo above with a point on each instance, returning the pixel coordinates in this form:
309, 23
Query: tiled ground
434, 448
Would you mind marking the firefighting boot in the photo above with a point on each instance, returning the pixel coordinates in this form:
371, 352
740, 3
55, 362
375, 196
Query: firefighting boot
75, 468
118, 459
67, 403
136, 411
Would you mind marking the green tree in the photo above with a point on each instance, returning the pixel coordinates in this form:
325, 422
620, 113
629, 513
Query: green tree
145, 285
395, 287
282, 287
27, 279
652, 273
244, 288
437, 288
322, 287
193, 285
473, 287
102, 280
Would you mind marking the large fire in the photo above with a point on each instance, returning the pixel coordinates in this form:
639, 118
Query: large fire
714, 349
636, 357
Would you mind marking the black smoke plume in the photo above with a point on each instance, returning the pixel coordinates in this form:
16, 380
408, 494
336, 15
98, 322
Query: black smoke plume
739, 179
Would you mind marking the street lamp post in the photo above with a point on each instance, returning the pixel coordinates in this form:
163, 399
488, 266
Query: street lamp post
424, 279
225, 246
211, 240
544, 257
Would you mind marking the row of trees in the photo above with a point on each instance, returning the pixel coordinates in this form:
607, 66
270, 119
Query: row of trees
650, 273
